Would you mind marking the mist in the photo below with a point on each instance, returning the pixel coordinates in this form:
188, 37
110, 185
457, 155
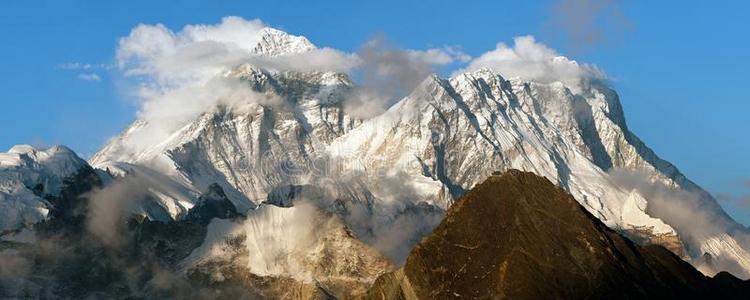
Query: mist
389, 73
694, 217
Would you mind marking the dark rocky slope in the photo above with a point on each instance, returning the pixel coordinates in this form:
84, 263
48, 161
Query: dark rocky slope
518, 236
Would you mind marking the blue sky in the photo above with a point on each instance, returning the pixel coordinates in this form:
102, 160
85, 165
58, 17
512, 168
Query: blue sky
680, 67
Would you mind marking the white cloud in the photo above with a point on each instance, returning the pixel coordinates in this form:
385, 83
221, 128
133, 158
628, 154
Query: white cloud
73, 66
194, 53
199, 52
88, 71
439, 56
89, 77
166, 110
321, 59
534, 61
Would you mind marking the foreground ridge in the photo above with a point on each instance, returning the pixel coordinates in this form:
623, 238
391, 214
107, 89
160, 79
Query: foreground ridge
518, 236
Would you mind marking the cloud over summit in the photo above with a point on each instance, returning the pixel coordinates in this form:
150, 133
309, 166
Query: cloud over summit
532, 60
180, 74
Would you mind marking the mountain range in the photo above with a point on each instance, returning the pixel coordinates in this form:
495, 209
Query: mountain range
288, 192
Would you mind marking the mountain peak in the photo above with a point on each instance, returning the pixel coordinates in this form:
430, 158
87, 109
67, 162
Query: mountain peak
483, 73
29, 149
56, 159
27, 176
517, 229
274, 42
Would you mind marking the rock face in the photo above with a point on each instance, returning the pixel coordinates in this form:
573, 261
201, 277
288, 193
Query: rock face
518, 236
213, 204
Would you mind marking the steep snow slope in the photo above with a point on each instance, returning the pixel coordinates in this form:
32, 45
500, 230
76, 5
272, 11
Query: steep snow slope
459, 131
250, 148
27, 175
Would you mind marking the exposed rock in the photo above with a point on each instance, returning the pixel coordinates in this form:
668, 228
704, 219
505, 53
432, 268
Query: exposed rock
518, 236
212, 204
643, 236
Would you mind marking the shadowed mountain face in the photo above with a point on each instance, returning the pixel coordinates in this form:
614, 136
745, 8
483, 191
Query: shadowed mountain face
518, 236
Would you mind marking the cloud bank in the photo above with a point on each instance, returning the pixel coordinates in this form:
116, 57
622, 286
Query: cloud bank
531, 60
197, 53
167, 61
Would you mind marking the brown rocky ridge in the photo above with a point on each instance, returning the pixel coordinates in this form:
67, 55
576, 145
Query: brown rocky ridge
518, 236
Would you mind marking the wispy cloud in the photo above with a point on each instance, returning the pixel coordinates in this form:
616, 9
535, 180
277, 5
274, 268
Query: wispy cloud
84, 66
89, 77
740, 197
734, 199
586, 23
85, 71
389, 73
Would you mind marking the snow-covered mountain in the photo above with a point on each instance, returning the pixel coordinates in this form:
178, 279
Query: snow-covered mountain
458, 131
28, 176
442, 139
274, 42
388, 178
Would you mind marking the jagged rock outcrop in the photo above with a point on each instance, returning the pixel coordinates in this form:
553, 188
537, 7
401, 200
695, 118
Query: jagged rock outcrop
212, 204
